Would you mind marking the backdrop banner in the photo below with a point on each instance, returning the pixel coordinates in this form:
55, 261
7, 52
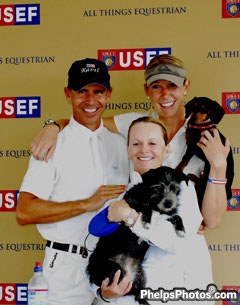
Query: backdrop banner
40, 40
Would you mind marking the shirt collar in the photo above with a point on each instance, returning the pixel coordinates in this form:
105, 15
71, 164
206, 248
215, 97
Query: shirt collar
180, 131
78, 128
155, 116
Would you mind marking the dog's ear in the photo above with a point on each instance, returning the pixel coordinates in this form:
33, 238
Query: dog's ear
135, 196
190, 106
154, 175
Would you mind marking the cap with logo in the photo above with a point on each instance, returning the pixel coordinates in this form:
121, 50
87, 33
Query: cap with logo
168, 72
88, 71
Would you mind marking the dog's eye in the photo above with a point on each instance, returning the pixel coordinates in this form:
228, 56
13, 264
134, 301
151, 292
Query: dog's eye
204, 110
157, 188
154, 194
156, 191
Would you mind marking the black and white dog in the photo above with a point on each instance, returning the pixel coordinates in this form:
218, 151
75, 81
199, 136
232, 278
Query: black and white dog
123, 250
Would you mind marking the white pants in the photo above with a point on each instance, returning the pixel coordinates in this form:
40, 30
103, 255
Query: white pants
67, 279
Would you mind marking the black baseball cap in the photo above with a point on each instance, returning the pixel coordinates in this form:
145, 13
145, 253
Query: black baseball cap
88, 71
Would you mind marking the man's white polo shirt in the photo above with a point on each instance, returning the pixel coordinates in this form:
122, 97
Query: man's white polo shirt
74, 173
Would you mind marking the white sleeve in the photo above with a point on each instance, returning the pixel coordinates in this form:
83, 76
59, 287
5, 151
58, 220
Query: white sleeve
124, 120
39, 179
161, 232
189, 209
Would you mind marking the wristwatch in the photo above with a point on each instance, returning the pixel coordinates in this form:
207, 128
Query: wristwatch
130, 221
50, 122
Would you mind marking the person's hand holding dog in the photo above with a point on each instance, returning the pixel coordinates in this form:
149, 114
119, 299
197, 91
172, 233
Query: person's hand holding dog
215, 151
118, 211
117, 288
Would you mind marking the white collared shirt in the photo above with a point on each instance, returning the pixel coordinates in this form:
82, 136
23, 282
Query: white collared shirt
74, 173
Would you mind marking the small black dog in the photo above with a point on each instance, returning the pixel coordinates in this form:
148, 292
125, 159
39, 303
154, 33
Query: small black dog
123, 250
204, 114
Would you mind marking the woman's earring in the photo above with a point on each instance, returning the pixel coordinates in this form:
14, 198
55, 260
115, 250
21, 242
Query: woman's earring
148, 97
185, 93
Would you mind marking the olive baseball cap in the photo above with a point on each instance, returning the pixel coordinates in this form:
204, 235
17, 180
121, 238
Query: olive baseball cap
169, 72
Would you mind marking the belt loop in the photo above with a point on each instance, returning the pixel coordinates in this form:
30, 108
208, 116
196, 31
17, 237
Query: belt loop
78, 249
70, 249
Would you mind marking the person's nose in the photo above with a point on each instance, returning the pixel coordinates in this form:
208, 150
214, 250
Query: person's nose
90, 97
144, 148
164, 91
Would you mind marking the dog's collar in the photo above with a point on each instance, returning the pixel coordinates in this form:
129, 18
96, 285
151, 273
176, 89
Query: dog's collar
201, 126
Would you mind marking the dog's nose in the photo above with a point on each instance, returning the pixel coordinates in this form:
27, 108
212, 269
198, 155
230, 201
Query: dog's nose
168, 204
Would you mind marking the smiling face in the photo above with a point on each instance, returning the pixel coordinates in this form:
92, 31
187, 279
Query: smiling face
88, 104
146, 147
167, 98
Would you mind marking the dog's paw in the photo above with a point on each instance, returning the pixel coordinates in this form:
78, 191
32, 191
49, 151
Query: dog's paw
180, 233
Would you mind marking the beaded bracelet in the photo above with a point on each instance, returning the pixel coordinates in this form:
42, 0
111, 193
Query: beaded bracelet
216, 181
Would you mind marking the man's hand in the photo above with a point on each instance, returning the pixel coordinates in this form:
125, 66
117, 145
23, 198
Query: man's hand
104, 193
117, 288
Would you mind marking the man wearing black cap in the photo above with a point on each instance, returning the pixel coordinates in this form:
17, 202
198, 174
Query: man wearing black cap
89, 167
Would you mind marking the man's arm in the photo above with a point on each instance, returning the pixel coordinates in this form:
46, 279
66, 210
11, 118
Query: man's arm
44, 143
109, 123
31, 209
